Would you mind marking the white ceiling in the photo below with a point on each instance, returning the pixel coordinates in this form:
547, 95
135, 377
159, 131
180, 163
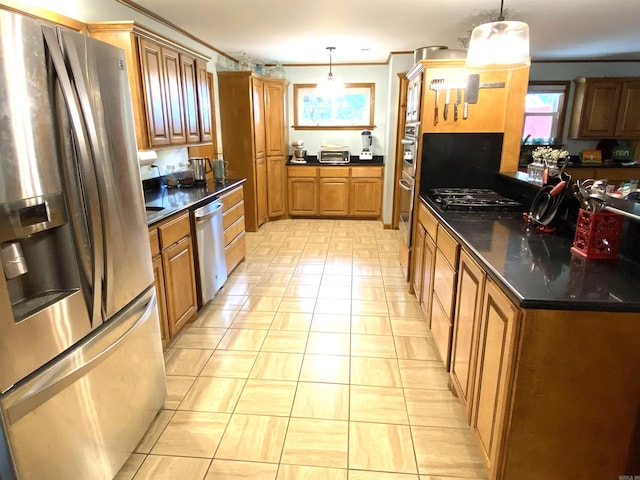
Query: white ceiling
298, 31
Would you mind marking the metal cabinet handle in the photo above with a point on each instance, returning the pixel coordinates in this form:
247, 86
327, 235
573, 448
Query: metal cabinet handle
405, 185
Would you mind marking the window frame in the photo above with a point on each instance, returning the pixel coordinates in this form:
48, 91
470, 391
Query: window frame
545, 87
300, 88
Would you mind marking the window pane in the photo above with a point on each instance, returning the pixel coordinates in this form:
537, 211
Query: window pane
539, 126
353, 109
542, 102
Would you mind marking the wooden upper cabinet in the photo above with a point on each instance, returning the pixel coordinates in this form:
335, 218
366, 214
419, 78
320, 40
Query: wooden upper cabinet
169, 89
257, 92
173, 95
628, 125
204, 101
274, 118
152, 71
190, 97
606, 108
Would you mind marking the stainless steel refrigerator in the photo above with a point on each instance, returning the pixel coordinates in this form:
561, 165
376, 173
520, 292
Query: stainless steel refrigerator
81, 366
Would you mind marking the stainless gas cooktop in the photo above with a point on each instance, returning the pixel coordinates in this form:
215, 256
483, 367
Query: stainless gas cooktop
472, 199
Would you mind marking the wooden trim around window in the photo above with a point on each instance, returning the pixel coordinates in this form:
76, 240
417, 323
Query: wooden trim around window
565, 103
372, 100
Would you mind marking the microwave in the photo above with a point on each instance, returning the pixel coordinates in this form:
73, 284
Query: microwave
334, 156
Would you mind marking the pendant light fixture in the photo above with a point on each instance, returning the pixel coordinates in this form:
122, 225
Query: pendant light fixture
499, 45
330, 85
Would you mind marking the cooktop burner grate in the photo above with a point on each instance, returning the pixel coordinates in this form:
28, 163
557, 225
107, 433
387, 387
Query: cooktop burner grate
472, 199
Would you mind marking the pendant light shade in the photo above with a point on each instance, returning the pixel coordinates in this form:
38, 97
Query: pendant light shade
498, 45
330, 85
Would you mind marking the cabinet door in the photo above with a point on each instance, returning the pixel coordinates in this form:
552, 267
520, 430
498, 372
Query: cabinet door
154, 96
366, 197
302, 196
190, 97
173, 95
257, 93
417, 259
600, 109
466, 322
429, 255
495, 363
261, 188
628, 125
334, 197
276, 186
274, 118
180, 284
158, 278
204, 101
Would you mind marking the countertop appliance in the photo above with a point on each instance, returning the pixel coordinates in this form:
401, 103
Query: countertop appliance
367, 143
299, 152
212, 263
81, 365
336, 156
200, 170
473, 199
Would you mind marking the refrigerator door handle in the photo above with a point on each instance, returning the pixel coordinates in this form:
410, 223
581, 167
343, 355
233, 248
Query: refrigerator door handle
77, 363
78, 123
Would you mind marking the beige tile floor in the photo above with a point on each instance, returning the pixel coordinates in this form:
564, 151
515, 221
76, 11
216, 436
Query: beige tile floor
312, 363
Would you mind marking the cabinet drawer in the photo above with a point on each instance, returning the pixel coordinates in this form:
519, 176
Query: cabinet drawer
334, 172
174, 230
444, 283
449, 247
231, 198
298, 171
233, 231
366, 172
235, 252
428, 221
232, 215
154, 240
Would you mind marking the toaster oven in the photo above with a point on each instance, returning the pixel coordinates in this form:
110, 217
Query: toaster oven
334, 156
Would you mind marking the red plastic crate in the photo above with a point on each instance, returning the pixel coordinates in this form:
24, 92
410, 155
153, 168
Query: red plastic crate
597, 234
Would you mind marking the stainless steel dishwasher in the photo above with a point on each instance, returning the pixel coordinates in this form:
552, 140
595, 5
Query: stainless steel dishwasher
212, 264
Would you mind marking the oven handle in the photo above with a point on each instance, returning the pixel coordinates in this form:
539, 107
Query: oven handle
405, 185
404, 141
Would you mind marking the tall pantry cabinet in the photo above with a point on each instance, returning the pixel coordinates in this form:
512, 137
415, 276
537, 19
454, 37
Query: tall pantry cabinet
254, 141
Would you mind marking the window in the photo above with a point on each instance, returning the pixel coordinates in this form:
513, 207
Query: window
544, 113
352, 111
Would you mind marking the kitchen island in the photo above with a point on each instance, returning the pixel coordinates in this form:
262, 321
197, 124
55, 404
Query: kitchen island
545, 347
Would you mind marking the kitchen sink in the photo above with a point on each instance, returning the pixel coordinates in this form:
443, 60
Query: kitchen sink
150, 208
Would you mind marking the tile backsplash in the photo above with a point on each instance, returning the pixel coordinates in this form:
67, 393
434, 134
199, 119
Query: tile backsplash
166, 159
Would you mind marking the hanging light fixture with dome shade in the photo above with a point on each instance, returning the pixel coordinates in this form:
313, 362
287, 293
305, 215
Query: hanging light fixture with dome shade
499, 45
330, 85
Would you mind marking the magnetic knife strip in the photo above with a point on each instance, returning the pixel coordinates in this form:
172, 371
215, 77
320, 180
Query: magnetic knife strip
470, 95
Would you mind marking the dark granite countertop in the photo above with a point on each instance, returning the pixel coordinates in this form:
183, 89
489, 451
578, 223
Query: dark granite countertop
538, 270
173, 200
377, 161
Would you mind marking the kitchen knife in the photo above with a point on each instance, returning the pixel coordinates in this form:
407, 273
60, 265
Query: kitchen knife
457, 104
470, 93
436, 84
446, 103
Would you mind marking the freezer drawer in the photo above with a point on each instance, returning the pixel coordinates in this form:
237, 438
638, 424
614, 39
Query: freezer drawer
82, 417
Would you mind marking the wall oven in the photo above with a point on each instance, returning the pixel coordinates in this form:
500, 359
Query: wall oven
407, 181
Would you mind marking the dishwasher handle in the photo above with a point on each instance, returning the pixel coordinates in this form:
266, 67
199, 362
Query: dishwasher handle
207, 211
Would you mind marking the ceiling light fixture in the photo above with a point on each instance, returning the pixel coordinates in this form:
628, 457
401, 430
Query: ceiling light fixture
499, 45
330, 85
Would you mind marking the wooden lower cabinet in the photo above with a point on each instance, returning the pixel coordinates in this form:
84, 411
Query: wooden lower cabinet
418, 260
429, 258
161, 299
234, 228
471, 281
179, 272
334, 197
276, 186
174, 273
335, 191
303, 194
495, 360
261, 190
